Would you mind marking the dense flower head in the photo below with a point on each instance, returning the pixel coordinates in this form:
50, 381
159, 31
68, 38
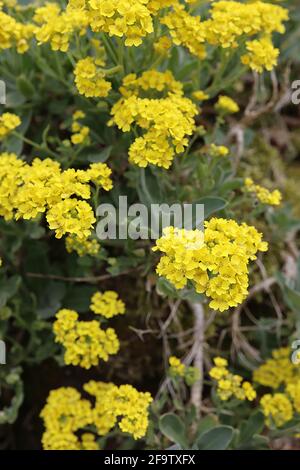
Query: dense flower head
186, 30
261, 54
107, 304
130, 18
272, 198
165, 121
27, 191
277, 409
163, 45
85, 342
57, 26
283, 376
80, 133
217, 264
278, 370
227, 105
82, 247
230, 385
66, 414
89, 78
123, 405
228, 24
14, 34
177, 368
231, 20
8, 122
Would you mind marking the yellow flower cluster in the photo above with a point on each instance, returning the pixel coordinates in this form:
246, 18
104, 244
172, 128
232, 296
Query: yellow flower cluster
82, 247
186, 30
277, 408
230, 385
129, 19
123, 18
229, 23
217, 264
261, 54
177, 368
27, 191
8, 122
166, 121
107, 304
57, 26
89, 78
67, 413
231, 20
80, 132
218, 150
123, 405
163, 45
85, 342
14, 33
199, 95
227, 105
277, 370
272, 198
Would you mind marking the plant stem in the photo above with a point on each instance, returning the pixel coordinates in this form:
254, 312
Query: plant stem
196, 393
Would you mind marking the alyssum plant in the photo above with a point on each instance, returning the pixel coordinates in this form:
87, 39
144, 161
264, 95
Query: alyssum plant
110, 98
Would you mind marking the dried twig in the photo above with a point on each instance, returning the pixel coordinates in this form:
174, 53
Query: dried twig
197, 354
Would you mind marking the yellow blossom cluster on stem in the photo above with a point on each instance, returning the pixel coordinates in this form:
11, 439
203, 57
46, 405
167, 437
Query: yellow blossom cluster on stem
89, 78
278, 370
27, 191
229, 23
230, 385
277, 409
165, 121
80, 133
231, 20
128, 19
227, 105
66, 414
177, 368
14, 34
8, 122
57, 26
186, 30
82, 247
85, 342
261, 54
283, 376
216, 263
107, 304
272, 198
123, 405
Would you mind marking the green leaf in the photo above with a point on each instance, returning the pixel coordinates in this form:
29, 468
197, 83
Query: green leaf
218, 438
212, 204
254, 425
8, 288
50, 299
102, 156
149, 189
205, 424
173, 428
